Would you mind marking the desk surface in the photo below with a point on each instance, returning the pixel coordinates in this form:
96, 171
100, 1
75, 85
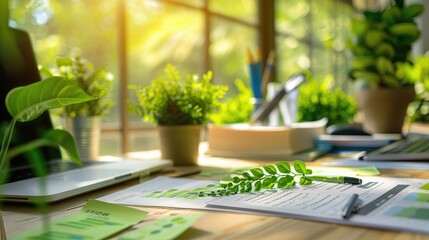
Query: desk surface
218, 225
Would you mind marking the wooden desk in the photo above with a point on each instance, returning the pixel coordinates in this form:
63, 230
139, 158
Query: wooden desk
218, 225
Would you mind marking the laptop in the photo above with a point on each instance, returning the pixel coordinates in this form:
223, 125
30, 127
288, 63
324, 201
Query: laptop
18, 67
410, 148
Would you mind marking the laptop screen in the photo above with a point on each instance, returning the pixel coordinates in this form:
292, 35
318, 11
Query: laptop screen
17, 68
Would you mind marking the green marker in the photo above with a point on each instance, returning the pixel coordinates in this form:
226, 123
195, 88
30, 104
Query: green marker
339, 179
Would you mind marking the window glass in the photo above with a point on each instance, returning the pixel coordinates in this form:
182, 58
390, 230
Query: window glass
229, 42
291, 17
292, 57
159, 34
245, 10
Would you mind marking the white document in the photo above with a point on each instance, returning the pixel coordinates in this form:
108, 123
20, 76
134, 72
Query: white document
393, 203
165, 192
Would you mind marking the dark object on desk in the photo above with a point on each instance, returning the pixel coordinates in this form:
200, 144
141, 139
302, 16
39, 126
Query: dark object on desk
413, 148
346, 129
352, 206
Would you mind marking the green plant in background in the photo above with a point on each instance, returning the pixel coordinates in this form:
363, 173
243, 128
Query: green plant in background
268, 176
381, 44
236, 109
95, 82
29, 102
172, 100
418, 111
321, 99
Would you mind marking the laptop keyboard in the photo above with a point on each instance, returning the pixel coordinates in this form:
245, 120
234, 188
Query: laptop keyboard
21, 173
409, 145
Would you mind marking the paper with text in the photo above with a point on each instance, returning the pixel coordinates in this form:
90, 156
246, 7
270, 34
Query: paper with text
96, 220
393, 203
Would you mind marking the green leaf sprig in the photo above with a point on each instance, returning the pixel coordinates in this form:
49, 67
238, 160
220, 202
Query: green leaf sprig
275, 176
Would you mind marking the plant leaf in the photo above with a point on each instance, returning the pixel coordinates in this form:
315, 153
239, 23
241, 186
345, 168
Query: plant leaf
28, 102
285, 182
299, 166
270, 169
305, 180
66, 141
257, 173
258, 186
268, 183
283, 167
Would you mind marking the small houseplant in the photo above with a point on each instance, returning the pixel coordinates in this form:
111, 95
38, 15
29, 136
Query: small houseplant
83, 119
320, 99
178, 106
381, 47
237, 108
418, 110
29, 102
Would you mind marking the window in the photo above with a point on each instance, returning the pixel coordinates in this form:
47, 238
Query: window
135, 39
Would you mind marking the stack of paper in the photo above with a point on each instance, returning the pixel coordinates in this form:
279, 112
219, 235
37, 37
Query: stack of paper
246, 141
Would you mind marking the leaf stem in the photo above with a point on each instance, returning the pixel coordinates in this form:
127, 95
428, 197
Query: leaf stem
6, 142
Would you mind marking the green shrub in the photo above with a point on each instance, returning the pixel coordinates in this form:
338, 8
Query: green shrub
171, 100
236, 109
319, 100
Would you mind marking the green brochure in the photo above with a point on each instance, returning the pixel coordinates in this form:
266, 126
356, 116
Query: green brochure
163, 229
96, 220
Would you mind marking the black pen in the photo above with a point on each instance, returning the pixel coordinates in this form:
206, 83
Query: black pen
352, 206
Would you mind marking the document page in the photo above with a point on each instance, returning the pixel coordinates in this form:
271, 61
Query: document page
394, 203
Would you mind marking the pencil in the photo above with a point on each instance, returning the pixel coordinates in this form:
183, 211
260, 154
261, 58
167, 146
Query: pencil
250, 58
267, 72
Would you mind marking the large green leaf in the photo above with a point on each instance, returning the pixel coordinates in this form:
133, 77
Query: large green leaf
28, 102
66, 141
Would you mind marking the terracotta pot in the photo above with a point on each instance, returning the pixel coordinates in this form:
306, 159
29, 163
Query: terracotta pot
384, 109
86, 133
180, 143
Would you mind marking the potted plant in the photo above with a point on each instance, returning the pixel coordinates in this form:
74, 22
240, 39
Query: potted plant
83, 119
418, 111
179, 107
320, 99
381, 47
27, 103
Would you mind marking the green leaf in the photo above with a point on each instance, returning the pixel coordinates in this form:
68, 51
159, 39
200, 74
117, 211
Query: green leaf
66, 141
290, 180
246, 176
308, 171
258, 186
299, 166
248, 186
413, 10
270, 169
268, 183
257, 173
283, 167
283, 182
234, 189
235, 180
28, 102
305, 180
